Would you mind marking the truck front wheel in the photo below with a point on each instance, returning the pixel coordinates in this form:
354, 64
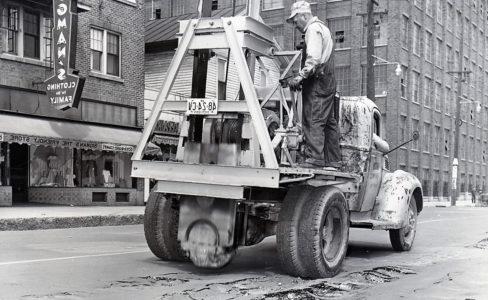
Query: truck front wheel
402, 239
324, 232
161, 227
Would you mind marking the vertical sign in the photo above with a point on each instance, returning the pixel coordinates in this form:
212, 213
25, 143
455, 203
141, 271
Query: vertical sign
64, 88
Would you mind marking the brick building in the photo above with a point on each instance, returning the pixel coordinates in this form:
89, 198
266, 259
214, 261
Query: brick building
425, 38
78, 156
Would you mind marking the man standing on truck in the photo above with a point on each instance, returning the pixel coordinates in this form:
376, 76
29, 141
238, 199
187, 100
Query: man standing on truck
317, 80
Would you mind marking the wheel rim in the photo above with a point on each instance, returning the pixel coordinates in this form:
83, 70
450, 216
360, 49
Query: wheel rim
331, 235
409, 230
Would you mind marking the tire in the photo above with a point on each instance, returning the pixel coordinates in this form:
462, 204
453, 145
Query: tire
287, 231
402, 239
324, 232
161, 228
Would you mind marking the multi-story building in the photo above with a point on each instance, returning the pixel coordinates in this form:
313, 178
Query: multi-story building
81, 155
431, 40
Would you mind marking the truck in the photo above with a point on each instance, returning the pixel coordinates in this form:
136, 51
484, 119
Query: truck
236, 180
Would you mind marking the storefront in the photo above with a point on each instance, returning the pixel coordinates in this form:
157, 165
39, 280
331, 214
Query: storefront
63, 162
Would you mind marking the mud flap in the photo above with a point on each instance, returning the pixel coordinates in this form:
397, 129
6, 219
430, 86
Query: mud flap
206, 230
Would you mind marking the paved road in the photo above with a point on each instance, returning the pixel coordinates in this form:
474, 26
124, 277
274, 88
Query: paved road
449, 261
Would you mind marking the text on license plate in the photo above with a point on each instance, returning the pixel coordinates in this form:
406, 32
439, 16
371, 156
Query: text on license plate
198, 106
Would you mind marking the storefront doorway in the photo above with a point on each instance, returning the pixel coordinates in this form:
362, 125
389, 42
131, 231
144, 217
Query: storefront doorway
19, 172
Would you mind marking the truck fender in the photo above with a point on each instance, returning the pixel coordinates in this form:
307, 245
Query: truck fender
392, 201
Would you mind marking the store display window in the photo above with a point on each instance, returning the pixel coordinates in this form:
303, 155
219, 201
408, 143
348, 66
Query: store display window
105, 169
51, 167
64, 167
3, 163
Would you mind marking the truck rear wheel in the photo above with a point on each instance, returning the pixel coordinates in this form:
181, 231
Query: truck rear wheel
324, 232
287, 231
402, 239
161, 227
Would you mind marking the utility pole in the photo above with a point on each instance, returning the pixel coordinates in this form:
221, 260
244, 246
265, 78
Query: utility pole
370, 86
454, 172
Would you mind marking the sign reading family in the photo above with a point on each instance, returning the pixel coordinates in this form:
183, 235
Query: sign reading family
64, 88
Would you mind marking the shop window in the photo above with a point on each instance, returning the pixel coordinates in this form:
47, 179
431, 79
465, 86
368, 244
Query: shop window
105, 52
99, 197
105, 169
121, 197
3, 158
51, 167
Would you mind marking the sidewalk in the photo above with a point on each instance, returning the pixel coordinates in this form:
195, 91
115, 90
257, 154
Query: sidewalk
37, 216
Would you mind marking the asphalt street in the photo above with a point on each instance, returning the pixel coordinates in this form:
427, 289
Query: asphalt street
448, 261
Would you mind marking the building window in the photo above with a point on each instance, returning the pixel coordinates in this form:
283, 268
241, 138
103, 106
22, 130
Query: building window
449, 58
437, 139
403, 129
415, 87
215, 4
381, 84
437, 96
415, 127
27, 34
438, 53
404, 83
278, 34
448, 100
272, 4
429, 7
343, 76
428, 46
380, 32
428, 89
177, 7
447, 141
12, 29
31, 31
48, 36
426, 137
105, 52
418, 3
450, 16
457, 24
416, 39
405, 22
341, 32
440, 11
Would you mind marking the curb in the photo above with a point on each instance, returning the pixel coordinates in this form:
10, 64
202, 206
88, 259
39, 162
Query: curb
21, 224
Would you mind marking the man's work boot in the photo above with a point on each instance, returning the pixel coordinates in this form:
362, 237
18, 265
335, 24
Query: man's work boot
310, 163
332, 169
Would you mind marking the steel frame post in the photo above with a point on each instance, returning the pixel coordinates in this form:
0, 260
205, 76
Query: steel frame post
164, 92
257, 118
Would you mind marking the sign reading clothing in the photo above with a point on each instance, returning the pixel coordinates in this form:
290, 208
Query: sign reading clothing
64, 89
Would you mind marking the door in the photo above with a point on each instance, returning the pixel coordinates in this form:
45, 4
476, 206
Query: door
19, 172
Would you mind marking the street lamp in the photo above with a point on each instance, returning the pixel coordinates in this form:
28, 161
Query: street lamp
478, 103
382, 61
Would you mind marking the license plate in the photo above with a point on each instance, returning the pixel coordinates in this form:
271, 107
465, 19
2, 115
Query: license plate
197, 106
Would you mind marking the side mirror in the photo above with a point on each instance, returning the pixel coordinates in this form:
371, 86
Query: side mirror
415, 136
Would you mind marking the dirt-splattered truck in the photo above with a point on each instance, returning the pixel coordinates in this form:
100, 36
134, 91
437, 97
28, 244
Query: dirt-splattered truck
235, 181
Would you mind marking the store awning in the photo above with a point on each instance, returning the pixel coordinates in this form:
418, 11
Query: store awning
54, 133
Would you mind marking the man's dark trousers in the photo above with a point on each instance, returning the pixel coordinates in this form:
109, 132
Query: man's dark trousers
319, 123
